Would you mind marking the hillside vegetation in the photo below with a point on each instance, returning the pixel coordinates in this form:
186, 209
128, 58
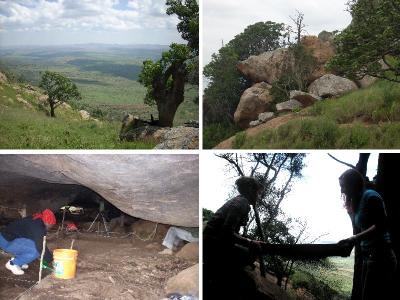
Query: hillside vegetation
24, 124
366, 118
106, 76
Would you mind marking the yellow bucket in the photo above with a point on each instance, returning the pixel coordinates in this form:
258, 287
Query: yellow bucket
65, 263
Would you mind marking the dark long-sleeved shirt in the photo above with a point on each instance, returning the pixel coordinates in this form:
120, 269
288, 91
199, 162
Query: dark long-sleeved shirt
228, 219
28, 228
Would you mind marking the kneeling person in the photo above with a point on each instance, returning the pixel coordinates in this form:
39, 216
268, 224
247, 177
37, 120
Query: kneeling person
23, 239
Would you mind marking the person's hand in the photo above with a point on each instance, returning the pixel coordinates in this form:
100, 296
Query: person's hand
349, 242
256, 246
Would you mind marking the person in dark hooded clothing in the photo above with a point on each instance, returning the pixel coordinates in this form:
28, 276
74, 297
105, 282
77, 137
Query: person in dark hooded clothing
23, 239
225, 252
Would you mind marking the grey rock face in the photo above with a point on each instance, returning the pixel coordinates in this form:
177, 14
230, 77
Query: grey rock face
180, 138
266, 116
161, 188
288, 105
306, 99
331, 85
254, 123
267, 66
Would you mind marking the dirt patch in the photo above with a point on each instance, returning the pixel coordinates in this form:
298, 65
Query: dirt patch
274, 123
108, 268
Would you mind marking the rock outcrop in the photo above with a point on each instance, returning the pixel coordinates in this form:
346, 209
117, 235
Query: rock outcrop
185, 283
290, 105
331, 85
84, 114
306, 99
267, 67
158, 188
255, 100
179, 138
322, 51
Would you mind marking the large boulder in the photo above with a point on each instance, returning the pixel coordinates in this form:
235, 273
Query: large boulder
180, 138
322, 51
306, 99
185, 283
331, 85
133, 129
158, 188
255, 100
290, 105
267, 66
190, 251
84, 115
366, 81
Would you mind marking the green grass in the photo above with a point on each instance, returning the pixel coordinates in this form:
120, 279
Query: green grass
109, 90
334, 282
26, 128
216, 133
367, 118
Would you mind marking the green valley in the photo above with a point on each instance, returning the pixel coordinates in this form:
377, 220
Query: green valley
106, 76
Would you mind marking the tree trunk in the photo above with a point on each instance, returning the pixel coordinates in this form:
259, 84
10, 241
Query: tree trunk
52, 108
169, 99
387, 185
166, 113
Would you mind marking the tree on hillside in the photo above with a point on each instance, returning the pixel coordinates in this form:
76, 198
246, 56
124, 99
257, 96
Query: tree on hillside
298, 21
165, 79
277, 173
370, 45
59, 89
226, 84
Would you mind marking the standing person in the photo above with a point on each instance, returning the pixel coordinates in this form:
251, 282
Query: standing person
367, 212
225, 251
23, 238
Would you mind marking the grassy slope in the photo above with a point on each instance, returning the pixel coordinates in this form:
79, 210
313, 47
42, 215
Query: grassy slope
324, 283
108, 88
367, 118
30, 128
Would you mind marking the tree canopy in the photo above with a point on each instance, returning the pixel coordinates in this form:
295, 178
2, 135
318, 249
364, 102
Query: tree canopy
59, 89
188, 14
165, 79
370, 45
226, 84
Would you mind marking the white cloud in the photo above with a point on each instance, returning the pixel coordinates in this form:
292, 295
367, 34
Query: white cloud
84, 14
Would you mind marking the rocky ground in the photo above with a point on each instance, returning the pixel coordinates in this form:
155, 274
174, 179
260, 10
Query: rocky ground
107, 268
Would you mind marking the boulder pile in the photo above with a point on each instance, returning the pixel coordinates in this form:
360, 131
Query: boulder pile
256, 104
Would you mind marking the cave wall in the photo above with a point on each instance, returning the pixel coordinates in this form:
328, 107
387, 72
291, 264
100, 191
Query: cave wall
159, 188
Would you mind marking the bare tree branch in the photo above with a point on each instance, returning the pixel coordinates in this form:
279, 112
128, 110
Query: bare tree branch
342, 162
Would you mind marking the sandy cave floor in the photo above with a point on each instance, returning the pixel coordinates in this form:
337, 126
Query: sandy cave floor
107, 268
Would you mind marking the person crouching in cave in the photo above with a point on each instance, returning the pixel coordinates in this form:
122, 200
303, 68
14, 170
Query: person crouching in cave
225, 252
23, 239
368, 215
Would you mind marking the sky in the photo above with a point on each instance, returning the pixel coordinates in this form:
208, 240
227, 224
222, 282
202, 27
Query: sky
315, 198
223, 19
60, 22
